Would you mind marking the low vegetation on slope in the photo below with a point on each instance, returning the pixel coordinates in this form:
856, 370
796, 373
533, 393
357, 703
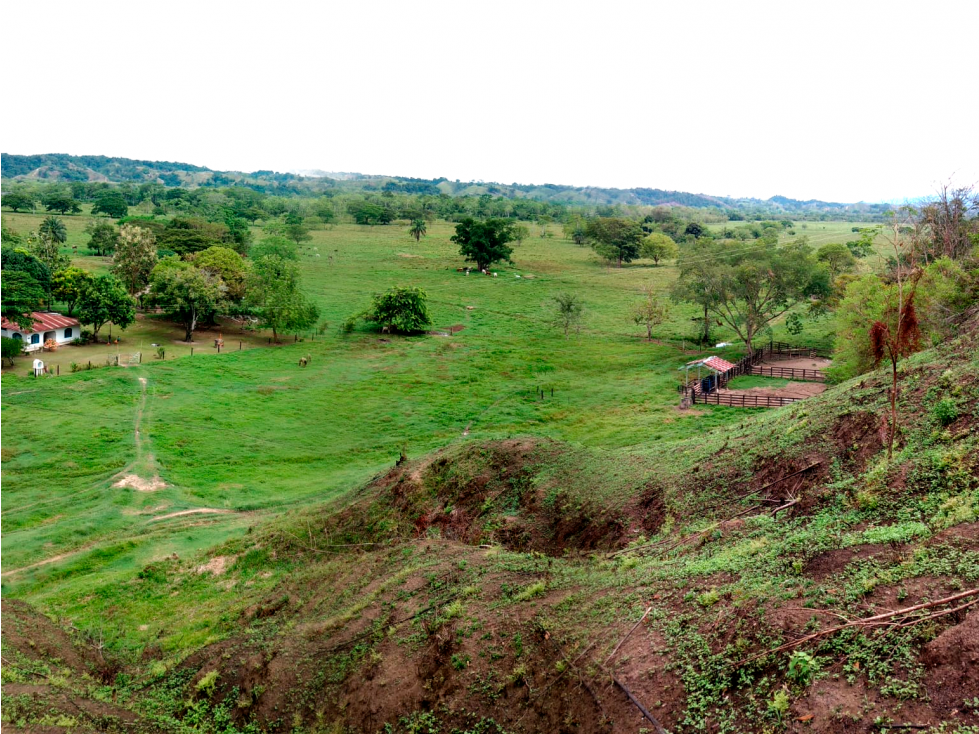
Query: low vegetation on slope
774, 574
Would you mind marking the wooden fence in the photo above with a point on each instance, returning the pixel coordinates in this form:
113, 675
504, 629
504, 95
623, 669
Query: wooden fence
790, 373
749, 363
741, 400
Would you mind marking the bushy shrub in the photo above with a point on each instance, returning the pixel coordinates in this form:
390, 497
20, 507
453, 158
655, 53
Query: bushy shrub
945, 411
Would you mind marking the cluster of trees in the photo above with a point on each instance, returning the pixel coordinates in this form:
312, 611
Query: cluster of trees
194, 277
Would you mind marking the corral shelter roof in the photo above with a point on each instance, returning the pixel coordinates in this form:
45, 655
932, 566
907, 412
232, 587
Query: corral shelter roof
43, 321
713, 362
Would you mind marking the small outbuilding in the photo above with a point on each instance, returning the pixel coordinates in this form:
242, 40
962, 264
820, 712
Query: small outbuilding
48, 326
712, 366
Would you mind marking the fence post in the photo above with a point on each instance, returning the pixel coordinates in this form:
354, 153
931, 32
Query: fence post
191, 351
239, 346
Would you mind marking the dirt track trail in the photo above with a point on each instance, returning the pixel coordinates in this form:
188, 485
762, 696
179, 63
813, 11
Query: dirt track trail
142, 473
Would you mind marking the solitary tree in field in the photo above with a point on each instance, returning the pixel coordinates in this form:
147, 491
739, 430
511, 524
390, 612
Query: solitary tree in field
54, 229
748, 290
417, 229
400, 309
103, 238
19, 202
61, 203
658, 246
569, 312
111, 203
649, 311
273, 291
484, 242
135, 257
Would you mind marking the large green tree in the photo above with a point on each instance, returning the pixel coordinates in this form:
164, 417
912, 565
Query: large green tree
111, 203
274, 293
22, 295
68, 285
226, 264
63, 203
484, 241
658, 246
616, 239
135, 257
400, 309
185, 292
18, 201
106, 300
18, 259
747, 290
103, 238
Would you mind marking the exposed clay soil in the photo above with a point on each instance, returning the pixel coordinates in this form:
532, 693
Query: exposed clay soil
141, 485
804, 363
792, 390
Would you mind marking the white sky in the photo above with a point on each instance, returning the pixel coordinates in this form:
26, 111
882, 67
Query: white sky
840, 101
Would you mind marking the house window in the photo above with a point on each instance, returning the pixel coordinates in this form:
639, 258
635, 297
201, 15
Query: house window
68, 333
35, 338
18, 336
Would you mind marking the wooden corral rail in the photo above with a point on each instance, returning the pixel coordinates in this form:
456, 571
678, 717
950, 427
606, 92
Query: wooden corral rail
748, 365
790, 373
742, 400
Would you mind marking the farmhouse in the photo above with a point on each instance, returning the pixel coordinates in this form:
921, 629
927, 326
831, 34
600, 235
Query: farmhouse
48, 326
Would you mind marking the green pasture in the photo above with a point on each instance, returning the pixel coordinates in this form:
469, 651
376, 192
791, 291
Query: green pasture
252, 434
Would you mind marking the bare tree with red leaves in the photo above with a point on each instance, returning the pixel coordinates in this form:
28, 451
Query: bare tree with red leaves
897, 335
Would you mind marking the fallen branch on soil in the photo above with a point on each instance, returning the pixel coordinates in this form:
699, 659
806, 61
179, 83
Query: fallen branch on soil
627, 635
879, 620
652, 719
685, 539
559, 677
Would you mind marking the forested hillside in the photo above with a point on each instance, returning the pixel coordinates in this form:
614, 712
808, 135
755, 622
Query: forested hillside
67, 168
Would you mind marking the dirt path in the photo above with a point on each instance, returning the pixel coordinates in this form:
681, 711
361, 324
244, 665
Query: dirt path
194, 511
144, 462
46, 561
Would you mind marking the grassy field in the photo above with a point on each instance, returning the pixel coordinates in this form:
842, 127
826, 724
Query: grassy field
250, 433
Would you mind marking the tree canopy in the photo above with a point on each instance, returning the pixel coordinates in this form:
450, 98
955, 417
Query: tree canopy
746, 290
22, 294
400, 309
103, 238
484, 241
68, 285
106, 300
135, 257
185, 292
273, 291
658, 246
616, 239
111, 203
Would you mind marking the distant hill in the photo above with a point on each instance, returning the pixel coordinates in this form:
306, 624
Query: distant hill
54, 167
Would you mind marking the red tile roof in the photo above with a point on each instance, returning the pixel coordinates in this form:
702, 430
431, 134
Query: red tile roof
43, 321
716, 363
